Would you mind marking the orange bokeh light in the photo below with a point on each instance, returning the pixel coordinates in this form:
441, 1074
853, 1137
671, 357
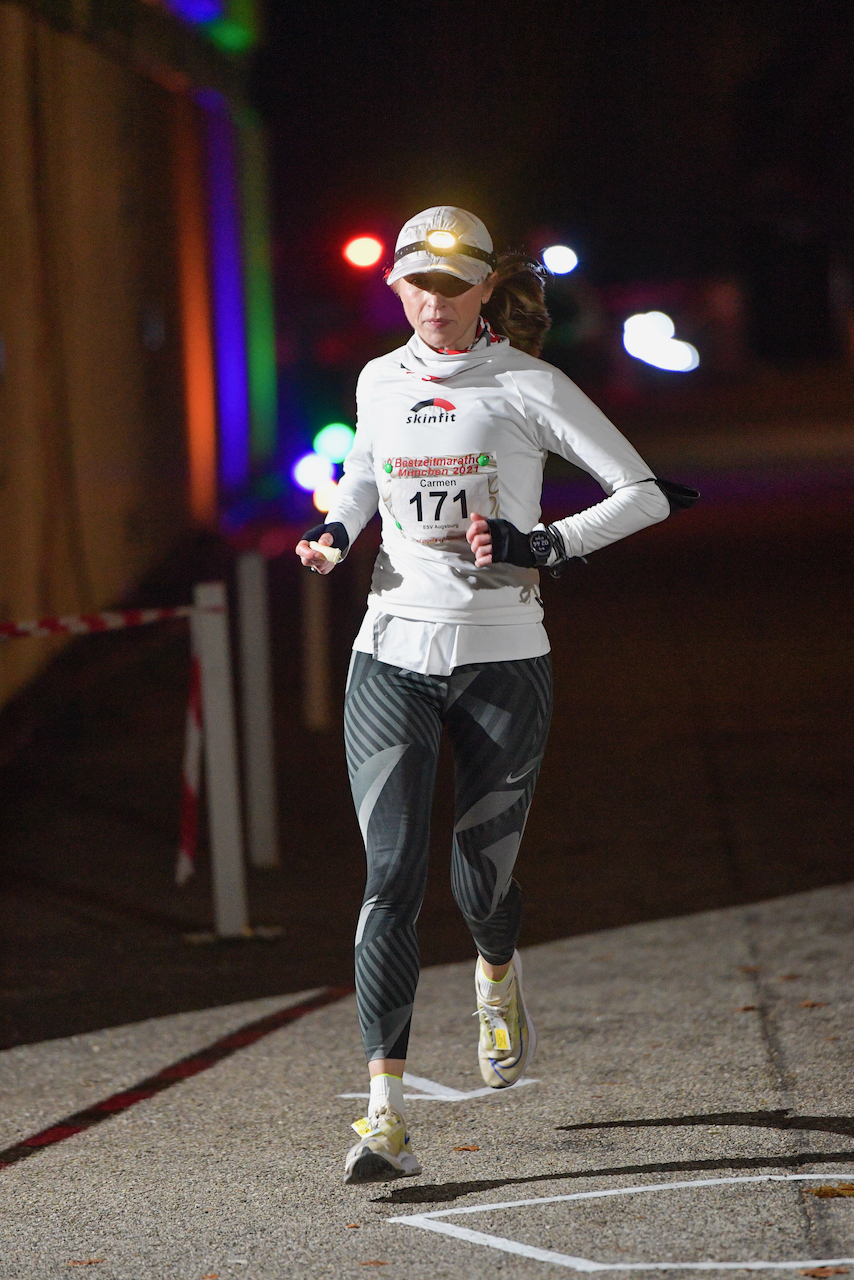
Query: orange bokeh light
363, 251
324, 495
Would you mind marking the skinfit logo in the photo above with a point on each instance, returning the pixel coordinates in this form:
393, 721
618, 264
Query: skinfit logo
433, 411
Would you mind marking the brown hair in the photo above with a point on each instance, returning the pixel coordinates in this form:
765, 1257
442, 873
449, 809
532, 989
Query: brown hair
517, 308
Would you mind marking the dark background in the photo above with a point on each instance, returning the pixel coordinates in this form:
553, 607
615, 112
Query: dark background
665, 140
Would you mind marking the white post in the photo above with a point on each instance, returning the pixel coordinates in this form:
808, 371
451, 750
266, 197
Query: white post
257, 709
210, 634
316, 708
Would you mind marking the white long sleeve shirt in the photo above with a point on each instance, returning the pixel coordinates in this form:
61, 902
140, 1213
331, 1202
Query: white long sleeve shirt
440, 436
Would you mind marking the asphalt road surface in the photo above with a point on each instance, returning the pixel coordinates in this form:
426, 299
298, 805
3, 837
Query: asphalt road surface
691, 1106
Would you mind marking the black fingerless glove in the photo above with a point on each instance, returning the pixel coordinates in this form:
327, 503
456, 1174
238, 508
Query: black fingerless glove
340, 538
510, 545
541, 547
680, 496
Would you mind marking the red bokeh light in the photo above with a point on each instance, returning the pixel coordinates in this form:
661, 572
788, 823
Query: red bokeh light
363, 251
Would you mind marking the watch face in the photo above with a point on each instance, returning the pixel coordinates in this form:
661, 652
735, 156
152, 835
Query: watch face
541, 544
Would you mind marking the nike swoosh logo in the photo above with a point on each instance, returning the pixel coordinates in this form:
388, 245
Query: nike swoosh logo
515, 777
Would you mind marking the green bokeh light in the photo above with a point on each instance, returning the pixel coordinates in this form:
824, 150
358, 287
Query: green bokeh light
334, 441
232, 36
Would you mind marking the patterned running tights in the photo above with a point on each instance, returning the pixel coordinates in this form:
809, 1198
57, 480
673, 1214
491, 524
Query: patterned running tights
497, 718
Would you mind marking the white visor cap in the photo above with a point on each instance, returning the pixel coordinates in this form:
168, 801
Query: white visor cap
463, 231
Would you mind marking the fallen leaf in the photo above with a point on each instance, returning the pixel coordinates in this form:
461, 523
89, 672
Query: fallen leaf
824, 1271
354, 1225
831, 1037
745, 1008
748, 968
212, 1275
467, 1148
833, 1193
813, 1004
85, 1262
789, 977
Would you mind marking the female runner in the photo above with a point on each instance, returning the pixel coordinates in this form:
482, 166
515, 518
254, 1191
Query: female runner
453, 432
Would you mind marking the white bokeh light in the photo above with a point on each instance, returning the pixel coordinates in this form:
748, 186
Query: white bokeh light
560, 259
649, 337
312, 470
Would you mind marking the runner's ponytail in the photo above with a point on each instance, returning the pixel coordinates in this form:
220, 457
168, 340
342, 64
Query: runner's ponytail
517, 308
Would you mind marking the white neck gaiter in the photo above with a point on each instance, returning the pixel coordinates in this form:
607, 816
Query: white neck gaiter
435, 366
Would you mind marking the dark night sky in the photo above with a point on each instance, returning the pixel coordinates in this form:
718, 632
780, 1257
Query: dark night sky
664, 138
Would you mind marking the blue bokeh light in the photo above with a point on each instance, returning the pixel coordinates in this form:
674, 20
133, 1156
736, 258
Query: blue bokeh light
197, 10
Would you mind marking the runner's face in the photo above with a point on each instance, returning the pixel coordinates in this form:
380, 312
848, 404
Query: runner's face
443, 310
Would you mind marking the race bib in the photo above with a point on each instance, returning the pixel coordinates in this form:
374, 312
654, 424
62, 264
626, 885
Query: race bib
431, 499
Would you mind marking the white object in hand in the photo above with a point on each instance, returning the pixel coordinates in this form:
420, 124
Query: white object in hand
332, 554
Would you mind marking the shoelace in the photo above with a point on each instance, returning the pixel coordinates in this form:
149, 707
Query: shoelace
493, 1013
372, 1126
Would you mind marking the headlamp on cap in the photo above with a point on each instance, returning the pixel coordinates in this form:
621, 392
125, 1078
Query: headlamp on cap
445, 244
444, 241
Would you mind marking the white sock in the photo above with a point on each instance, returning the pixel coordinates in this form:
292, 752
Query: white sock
490, 990
386, 1091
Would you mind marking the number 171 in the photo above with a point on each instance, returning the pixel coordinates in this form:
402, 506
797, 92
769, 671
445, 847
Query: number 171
440, 495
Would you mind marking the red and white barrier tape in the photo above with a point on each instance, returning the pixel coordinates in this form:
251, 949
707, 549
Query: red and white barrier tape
187, 841
84, 623
229, 915
116, 620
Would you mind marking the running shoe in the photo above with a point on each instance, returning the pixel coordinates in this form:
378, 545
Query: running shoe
507, 1036
383, 1151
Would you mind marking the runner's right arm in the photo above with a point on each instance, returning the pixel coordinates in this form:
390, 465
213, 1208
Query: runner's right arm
357, 496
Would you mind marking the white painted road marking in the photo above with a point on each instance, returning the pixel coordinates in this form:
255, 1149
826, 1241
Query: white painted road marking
428, 1222
430, 1091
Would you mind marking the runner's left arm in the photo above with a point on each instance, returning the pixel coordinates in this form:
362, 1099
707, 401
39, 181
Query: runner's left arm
566, 422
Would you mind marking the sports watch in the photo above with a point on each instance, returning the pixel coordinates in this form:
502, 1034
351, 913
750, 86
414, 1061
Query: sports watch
541, 546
